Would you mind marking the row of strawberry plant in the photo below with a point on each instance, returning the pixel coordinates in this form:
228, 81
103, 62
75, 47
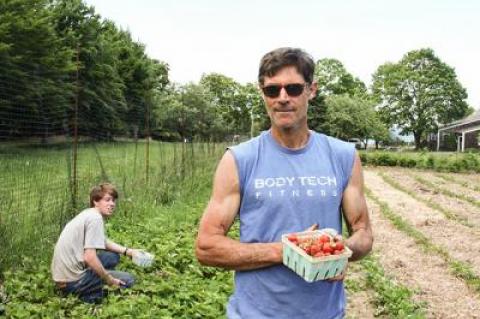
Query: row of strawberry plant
467, 184
176, 286
447, 192
458, 268
430, 203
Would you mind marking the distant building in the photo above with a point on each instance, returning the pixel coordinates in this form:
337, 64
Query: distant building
465, 131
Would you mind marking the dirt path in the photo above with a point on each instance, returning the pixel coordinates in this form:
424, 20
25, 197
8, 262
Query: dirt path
403, 260
457, 206
462, 242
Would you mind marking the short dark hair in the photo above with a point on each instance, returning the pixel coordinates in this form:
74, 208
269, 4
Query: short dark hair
101, 190
279, 58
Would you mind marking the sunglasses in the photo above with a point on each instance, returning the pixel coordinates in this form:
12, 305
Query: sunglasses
293, 89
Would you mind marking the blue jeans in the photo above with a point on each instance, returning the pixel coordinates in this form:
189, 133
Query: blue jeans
89, 287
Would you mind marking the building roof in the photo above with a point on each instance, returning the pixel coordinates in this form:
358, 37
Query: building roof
471, 120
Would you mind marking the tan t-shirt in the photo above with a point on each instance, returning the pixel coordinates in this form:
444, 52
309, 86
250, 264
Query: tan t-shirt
86, 230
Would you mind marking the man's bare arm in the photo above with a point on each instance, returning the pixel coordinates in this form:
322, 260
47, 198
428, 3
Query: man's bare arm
213, 246
356, 214
119, 249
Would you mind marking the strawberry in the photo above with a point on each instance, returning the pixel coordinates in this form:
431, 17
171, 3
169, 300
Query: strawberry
324, 238
340, 246
327, 248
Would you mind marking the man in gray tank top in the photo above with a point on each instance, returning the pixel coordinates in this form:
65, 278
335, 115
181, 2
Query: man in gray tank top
76, 266
285, 180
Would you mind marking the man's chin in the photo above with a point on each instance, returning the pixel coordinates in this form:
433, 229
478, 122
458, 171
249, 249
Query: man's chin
107, 214
285, 125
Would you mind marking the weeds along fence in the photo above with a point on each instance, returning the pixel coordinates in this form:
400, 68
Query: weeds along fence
54, 148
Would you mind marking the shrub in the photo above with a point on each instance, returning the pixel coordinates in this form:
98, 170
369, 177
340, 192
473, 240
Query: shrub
406, 161
450, 162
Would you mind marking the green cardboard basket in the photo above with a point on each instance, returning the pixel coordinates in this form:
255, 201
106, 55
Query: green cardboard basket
312, 268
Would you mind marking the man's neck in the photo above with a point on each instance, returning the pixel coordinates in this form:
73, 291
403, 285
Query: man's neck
291, 138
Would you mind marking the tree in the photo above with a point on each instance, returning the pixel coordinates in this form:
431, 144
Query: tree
117, 80
259, 120
334, 79
142, 77
230, 102
33, 65
99, 88
348, 117
419, 93
176, 119
44, 45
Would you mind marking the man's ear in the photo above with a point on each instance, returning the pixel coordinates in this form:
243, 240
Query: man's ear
259, 87
313, 90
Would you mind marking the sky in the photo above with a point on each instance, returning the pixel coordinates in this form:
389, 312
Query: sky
198, 37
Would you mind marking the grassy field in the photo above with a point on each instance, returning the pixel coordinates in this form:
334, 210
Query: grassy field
424, 263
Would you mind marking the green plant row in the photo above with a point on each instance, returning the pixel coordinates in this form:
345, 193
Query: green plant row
463, 183
442, 162
391, 299
460, 269
447, 192
448, 214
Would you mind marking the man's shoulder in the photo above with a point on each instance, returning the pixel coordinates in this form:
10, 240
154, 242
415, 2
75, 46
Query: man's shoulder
89, 215
334, 143
247, 146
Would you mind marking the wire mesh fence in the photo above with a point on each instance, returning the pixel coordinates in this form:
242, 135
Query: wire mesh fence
54, 146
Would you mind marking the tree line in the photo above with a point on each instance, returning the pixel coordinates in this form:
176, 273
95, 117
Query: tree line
63, 68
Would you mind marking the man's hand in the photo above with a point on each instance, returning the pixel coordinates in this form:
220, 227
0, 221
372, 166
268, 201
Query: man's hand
132, 252
336, 278
115, 282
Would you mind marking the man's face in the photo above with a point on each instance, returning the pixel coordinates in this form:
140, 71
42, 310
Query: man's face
106, 205
285, 111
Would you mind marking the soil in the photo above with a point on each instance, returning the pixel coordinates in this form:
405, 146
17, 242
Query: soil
456, 206
426, 273
461, 242
472, 178
453, 187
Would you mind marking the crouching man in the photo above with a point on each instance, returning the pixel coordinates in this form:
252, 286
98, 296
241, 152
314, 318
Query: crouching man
84, 259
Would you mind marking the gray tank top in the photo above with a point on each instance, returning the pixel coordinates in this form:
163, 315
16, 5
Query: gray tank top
284, 191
